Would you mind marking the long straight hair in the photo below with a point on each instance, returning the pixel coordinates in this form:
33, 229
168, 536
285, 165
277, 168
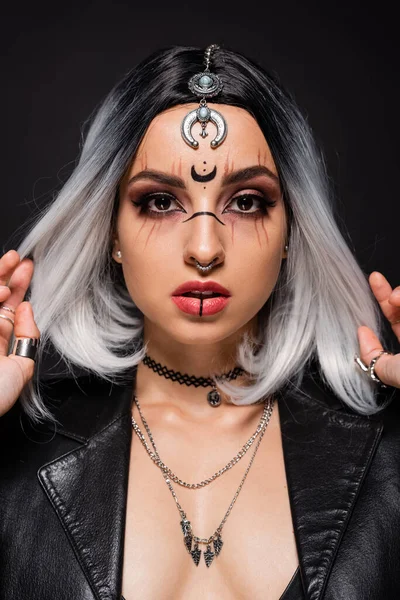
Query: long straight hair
81, 303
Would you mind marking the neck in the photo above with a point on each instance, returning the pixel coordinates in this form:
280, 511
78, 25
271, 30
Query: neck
195, 359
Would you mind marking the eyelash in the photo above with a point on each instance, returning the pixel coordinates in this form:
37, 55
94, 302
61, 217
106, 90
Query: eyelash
144, 201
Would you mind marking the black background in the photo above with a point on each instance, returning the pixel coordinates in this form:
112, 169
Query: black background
339, 60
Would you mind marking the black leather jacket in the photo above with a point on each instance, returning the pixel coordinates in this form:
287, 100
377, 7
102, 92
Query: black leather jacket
63, 496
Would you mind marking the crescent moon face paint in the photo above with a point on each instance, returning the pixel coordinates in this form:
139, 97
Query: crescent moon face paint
203, 178
205, 85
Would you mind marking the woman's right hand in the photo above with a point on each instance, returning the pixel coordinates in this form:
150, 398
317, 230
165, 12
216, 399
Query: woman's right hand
15, 371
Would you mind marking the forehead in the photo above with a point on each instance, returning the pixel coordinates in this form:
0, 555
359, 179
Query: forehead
163, 145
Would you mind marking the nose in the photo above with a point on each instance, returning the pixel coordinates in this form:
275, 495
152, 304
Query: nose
204, 239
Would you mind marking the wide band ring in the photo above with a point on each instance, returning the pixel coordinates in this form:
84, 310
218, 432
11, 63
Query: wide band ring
26, 347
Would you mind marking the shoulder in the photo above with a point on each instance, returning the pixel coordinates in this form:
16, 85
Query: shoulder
316, 392
79, 405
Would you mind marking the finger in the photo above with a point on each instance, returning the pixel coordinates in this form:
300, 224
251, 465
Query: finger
17, 286
19, 282
389, 300
370, 346
394, 299
381, 289
6, 321
4, 293
8, 263
25, 327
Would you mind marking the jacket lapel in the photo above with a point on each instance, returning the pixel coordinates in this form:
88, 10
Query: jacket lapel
327, 453
88, 486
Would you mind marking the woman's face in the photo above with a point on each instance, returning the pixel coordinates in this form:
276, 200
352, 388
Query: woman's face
179, 205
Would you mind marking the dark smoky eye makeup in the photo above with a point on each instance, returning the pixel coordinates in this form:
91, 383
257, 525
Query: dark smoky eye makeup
164, 200
251, 203
246, 201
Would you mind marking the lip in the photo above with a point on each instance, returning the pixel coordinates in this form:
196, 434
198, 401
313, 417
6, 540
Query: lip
193, 306
201, 286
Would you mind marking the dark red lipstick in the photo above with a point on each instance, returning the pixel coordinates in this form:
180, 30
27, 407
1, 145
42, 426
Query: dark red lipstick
200, 287
201, 298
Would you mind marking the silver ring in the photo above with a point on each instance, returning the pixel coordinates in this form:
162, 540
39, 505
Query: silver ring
26, 347
7, 319
4, 307
360, 363
371, 369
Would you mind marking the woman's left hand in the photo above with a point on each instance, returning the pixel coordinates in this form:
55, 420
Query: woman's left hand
387, 368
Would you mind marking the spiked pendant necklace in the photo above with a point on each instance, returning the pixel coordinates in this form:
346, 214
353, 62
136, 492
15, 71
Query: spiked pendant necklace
191, 541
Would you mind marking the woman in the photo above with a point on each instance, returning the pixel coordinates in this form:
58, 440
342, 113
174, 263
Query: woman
192, 270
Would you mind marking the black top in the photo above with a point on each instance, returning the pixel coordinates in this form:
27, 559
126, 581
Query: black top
294, 589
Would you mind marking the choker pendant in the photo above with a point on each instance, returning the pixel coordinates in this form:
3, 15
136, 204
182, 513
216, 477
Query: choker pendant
214, 397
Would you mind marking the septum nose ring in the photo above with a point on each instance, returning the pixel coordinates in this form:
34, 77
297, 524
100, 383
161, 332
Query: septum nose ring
205, 268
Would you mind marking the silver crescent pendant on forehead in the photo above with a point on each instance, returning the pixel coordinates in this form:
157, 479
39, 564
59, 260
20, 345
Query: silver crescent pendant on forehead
204, 85
204, 115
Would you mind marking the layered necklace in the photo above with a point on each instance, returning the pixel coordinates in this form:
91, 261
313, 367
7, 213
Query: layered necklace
213, 543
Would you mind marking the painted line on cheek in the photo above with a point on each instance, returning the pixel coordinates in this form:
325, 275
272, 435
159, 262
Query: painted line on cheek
141, 227
265, 231
150, 234
258, 234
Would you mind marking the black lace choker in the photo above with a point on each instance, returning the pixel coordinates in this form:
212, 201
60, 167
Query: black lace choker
213, 397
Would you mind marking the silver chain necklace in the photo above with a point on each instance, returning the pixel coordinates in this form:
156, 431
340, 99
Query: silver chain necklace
186, 526
155, 457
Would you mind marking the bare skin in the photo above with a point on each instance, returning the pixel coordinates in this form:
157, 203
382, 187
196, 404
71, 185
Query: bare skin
158, 253
15, 371
195, 439
259, 554
252, 245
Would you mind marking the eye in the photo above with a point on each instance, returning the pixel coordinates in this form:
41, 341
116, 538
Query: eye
251, 204
160, 204
157, 204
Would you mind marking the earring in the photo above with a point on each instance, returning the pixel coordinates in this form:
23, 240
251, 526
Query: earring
286, 247
118, 254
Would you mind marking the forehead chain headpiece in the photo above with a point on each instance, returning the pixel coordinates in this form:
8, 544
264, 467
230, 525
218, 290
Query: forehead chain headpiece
205, 85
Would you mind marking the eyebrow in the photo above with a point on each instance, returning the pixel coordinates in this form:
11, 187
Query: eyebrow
239, 176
